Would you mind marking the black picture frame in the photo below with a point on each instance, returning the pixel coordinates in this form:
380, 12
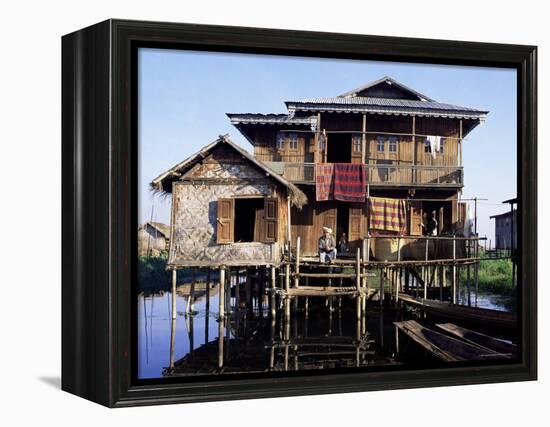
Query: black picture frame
99, 206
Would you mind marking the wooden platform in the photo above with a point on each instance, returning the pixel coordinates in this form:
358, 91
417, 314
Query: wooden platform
325, 291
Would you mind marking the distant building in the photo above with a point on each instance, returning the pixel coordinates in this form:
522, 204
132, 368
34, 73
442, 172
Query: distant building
153, 238
505, 224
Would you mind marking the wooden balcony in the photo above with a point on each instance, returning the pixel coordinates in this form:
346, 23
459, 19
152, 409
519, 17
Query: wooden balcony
381, 174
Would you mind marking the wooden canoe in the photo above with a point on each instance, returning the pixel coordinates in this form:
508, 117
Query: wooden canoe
472, 314
478, 338
444, 347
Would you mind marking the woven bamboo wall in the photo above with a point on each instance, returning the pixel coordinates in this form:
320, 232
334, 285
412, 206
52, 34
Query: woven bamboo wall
194, 213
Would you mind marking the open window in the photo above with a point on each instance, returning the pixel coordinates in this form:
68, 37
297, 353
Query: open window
247, 219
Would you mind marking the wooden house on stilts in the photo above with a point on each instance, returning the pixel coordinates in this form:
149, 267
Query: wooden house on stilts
381, 165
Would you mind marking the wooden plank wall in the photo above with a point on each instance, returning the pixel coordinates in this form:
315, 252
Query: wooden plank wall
265, 147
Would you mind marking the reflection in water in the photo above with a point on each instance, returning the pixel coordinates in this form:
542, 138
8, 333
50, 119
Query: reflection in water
314, 337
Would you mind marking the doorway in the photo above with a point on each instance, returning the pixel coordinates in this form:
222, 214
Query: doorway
339, 148
342, 224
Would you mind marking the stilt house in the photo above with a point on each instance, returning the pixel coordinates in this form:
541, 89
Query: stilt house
381, 160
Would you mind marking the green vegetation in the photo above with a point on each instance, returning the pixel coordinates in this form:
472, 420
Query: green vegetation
495, 277
152, 274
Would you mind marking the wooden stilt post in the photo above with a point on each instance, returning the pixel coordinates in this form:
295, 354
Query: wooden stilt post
248, 289
174, 278
454, 290
358, 282
221, 292
287, 288
296, 277
426, 270
398, 278
381, 296
476, 268
238, 289
272, 299
441, 275
207, 289
468, 285
191, 298
476, 284
228, 291
172, 341
221, 324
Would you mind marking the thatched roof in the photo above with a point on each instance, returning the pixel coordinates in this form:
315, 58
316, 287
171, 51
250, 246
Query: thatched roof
163, 183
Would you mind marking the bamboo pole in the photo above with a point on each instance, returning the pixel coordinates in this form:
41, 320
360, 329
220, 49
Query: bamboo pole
174, 278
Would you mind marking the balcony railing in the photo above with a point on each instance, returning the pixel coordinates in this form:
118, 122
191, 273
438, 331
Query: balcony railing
381, 174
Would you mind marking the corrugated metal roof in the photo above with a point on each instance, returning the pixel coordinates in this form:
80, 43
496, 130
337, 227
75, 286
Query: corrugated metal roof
387, 80
258, 118
383, 106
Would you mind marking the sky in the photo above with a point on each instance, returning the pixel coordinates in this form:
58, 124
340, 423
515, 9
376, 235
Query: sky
183, 98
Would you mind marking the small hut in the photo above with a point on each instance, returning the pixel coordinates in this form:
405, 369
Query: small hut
153, 239
227, 208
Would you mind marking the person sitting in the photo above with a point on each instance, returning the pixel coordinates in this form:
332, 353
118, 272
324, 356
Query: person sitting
327, 246
431, 227
343, 243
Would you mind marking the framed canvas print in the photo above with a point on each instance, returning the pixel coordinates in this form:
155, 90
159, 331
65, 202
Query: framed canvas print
259, 213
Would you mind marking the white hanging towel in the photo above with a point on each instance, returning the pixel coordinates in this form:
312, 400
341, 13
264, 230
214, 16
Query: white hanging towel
435, 144
468, 223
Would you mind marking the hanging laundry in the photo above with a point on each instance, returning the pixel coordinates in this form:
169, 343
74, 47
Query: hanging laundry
435, 144
350, 182
468, 223
324, 181
387, 214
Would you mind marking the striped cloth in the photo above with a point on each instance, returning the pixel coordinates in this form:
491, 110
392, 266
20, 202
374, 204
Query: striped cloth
350, 182
387, 214
324, 181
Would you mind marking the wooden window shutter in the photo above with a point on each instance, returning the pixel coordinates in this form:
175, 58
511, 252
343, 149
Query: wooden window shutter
416, 219
271, 223
225, 227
